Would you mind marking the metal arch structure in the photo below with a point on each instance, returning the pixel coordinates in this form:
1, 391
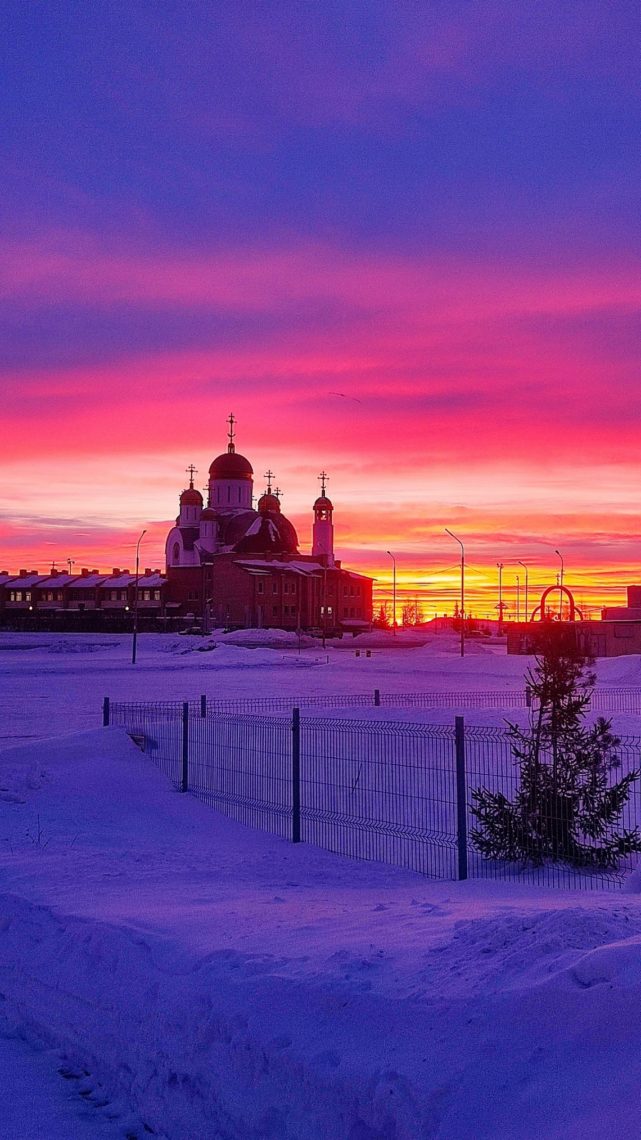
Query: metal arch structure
540, 609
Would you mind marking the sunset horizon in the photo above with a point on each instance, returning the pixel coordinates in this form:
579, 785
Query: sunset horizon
410, 262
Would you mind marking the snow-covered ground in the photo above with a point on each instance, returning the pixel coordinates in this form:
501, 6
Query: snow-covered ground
207, 980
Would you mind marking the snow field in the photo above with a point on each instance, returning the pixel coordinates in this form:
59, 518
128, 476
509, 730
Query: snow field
227, 984
216, 981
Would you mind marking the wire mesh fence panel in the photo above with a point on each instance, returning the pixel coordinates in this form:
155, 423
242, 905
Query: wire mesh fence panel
281, 705
543, 826
160, 726
616, 700
241, 765
382, 791
501, 699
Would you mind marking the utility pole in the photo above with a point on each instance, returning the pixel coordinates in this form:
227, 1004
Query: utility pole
518, 598
462, 589
135, 638
526, 588
500, 568
561, 585
393, 592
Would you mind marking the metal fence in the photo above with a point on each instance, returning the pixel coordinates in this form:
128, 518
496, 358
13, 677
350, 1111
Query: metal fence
399, 793
611, 699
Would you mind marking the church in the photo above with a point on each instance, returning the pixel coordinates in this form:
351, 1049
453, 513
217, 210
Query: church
235, 565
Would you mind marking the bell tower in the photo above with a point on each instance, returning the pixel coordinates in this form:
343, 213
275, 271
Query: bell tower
323, 530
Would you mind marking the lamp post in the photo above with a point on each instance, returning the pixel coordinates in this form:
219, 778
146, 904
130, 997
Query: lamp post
135, 637
500, 569
526, 582
561, 585
518, 598
393, 592
447, 531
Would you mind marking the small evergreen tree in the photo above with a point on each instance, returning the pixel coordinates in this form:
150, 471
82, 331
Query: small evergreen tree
565, 808
383, 618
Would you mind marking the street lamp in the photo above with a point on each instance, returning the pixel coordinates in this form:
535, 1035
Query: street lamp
561, 585
526, 582
393, 593
135, 638
462, 589
500, 569
518, 598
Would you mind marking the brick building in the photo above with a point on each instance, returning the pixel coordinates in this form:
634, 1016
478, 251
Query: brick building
231, 564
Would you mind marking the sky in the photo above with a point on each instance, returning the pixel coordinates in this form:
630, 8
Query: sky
398, 240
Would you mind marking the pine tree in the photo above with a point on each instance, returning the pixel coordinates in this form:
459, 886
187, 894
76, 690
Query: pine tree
383, 619
566, 808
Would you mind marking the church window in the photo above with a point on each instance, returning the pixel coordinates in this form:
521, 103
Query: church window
275, 586
275, 610
175, 554
260, 587
229, 494
27, 595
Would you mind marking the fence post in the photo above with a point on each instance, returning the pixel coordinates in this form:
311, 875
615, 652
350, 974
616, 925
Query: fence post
377, 696
105, 713
203, 704
296, 775
184, 786
461, 797
528, 696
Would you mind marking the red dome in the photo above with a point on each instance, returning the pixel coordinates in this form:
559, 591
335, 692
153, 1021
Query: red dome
323, 504
230, 465
208, 513
191, 497
268, 503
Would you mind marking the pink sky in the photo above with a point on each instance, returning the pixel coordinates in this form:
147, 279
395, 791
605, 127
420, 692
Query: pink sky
398, 241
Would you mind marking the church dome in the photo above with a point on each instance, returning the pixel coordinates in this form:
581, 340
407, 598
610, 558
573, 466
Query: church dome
269, 535
268, 503
191, 498
231, 465
207, 514
323, 504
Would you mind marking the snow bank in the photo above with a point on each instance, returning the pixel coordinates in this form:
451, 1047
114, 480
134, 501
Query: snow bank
227, 983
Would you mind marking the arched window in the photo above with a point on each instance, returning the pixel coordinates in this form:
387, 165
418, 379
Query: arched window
175, 554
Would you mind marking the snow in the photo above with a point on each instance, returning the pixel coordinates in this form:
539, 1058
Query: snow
43, 1097
207, 980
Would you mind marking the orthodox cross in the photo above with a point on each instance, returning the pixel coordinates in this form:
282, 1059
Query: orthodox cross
323, 480
191, 471
231, 420
277, 493
269, 475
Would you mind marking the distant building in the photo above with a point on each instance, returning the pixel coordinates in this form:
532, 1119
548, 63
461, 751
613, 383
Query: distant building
88, 600
234, 565
591, 638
